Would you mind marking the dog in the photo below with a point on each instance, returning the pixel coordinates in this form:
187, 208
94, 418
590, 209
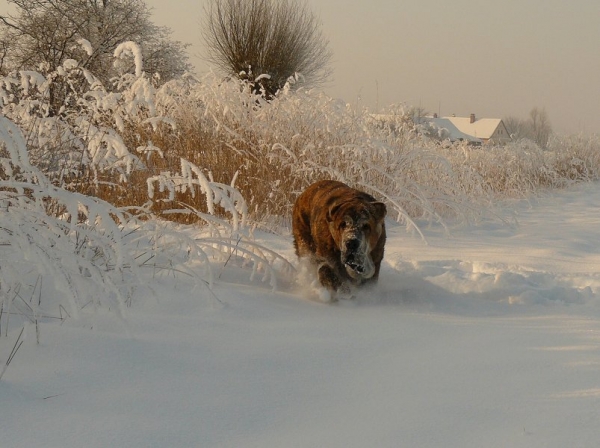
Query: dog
341, 232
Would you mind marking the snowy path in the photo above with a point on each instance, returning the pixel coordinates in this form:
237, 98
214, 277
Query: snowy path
489, 338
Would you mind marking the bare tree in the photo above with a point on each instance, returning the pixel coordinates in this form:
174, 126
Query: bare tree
517, 128
540, 126
44, 33
266, 42
536, 128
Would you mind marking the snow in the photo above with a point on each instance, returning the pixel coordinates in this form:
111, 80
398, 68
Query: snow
131, 49
488, 336
480, 128
86, 46
454, 134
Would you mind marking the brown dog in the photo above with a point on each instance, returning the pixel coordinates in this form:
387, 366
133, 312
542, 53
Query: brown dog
341, 231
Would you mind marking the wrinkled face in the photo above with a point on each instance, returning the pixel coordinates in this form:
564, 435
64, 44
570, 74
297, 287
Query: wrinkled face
356, 230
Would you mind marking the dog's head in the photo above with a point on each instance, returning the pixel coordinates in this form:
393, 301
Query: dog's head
356, 227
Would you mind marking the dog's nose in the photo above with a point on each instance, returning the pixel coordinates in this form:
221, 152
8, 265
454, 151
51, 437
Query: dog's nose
356, 267
352, 245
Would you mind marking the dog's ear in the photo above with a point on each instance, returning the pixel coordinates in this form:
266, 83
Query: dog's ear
379, 209
332, 211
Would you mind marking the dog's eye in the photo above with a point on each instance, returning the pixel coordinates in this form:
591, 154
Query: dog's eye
342, 225
366, 228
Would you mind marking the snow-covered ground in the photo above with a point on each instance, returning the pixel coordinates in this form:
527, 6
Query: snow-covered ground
489, 337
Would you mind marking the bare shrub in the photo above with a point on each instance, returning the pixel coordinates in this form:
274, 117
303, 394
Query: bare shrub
266, 42
537, 128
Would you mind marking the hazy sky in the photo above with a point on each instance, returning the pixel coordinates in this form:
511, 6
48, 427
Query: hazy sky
493, 58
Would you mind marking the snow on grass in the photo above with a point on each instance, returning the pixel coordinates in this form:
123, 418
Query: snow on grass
63, 252
133, 50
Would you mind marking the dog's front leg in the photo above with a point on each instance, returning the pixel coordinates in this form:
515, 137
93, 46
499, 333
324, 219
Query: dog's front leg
328, 278
337, 288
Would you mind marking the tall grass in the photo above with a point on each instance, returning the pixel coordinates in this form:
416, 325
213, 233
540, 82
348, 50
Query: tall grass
133, 144
63, 247
276, 149
62, 252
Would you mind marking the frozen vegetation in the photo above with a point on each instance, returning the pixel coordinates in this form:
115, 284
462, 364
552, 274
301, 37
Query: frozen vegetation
149, 294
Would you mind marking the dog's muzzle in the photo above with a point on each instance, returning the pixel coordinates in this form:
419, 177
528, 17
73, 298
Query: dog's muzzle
356, 259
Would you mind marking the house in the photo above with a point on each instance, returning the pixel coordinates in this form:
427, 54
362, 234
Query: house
488, 130
471, 129
475, 131
444, 129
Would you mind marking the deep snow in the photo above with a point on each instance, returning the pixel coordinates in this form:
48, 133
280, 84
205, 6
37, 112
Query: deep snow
488, 337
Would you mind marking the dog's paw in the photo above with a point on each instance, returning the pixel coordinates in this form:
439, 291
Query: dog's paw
344, 292
324, 295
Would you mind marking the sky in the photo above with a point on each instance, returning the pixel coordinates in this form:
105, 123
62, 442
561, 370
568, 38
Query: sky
491, 58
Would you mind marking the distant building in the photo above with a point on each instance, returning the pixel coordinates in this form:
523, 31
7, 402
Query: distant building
477, 131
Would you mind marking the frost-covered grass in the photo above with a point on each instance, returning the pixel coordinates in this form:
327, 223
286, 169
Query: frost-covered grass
135, 143
63, 251
274, 150
522, 168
